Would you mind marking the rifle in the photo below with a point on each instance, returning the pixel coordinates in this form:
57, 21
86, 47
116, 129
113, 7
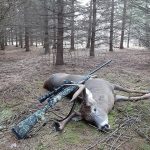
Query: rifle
24, 127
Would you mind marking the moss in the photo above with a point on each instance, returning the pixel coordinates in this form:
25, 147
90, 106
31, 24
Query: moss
40, 147
145, 104
5, 114
101, 147
83, 127
129, 108
80, 125
144, 146
112, 117
70, 136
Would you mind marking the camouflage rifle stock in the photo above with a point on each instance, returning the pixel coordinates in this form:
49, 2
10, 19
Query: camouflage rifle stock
24, 127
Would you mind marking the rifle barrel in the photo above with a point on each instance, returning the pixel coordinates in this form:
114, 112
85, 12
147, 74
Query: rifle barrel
101, 66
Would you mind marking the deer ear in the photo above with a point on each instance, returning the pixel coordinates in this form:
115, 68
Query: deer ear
78, 92
85, 96
88, 97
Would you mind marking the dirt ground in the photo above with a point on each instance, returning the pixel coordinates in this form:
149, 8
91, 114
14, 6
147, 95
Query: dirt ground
21, 79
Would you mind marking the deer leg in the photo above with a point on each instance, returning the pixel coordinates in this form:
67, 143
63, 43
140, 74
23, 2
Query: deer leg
120, 88
119, 98
59, 126
137, 98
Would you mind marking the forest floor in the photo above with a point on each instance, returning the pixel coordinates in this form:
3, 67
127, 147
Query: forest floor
22, 75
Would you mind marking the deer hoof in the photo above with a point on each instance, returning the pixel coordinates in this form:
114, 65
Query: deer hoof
56, 126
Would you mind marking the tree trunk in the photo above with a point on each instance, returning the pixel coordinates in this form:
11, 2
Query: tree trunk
147, 26
111, 26
36, 40
2, 40
31, 37
12, 37
26, 21
27, 39
20, 37
54, 25
89, 27
123, 24
42, 41
9, 38
129, 30
6, 38
72, 25
16, 38
93, 30
46, 36
139, 40
60, 31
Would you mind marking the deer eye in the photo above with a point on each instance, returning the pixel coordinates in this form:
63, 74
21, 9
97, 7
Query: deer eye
94, 109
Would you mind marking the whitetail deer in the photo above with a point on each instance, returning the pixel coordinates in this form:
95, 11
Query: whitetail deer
98, 98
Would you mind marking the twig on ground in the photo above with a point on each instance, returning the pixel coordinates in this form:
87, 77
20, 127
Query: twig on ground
60, 116
113, 144
110, 135
122, 143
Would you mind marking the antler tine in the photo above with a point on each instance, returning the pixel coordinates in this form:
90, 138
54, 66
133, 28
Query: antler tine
78, 92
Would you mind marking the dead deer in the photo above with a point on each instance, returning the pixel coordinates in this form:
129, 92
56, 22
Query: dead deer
98, 98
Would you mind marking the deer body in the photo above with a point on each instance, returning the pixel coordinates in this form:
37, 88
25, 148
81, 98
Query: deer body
98, 98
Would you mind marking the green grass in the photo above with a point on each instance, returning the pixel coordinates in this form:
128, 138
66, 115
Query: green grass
129, 107
40, 147
112, 117
144, 146
70, 136
5, 114
101, 147
74, 134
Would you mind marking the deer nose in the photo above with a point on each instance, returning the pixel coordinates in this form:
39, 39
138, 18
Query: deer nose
105, 128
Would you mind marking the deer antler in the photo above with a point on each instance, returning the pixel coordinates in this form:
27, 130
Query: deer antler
78, 92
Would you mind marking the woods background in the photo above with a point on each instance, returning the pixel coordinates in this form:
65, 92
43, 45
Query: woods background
68, 25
